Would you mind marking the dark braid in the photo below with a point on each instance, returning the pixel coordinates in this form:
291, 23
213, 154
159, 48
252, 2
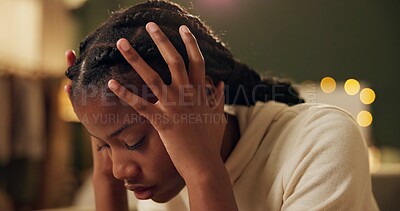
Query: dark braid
100, 60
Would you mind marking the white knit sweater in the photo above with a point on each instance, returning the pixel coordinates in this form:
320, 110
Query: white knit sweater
304, 157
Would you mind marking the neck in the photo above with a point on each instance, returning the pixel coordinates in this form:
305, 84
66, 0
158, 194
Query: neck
231, 137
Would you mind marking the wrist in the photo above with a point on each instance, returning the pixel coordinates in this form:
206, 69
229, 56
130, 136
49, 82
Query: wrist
109, 193
208, 173
212, 187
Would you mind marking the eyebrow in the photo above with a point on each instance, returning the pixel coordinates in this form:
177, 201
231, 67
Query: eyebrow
117, 132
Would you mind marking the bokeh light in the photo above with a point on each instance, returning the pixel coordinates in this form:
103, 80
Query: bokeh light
328, 85
352, 86
367, 96
364, 118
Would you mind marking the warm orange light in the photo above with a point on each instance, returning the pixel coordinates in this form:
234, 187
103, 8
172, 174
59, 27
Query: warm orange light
364, 118
328, 85
65, 109
352, 86
367, 96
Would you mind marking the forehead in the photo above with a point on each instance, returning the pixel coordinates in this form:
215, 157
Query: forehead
102, 117
105, 109
83, 95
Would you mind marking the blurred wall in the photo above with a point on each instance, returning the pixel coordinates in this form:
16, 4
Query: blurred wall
34, 37
35, 167
305, 40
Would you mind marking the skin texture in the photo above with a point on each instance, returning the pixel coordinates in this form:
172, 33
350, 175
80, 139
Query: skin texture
173, 152
148, 165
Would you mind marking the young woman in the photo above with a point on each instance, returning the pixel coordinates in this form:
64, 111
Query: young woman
175, 118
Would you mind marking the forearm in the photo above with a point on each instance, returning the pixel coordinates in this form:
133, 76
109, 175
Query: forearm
109, 194
211, 190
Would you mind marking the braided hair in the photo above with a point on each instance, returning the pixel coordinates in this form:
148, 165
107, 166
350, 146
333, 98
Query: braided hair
99, 59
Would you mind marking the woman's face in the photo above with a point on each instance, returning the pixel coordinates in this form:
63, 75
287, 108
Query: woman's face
134, 147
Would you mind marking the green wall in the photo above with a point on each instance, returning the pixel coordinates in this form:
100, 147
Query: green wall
307, 40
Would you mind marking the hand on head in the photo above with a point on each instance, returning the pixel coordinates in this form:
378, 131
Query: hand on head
70, 57
184, 141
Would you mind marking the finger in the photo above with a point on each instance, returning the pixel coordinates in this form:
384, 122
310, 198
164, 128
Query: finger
149, 76
70, 57
219, 98
196, 60
67, 89
143, 107
171, 56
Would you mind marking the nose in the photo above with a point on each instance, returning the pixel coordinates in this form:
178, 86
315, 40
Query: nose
123, 167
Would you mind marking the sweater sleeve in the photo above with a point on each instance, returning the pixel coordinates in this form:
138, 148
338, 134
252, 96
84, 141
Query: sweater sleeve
328, 167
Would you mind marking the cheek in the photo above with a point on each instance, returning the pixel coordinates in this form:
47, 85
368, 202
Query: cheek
159, 151
164, 172
161, 162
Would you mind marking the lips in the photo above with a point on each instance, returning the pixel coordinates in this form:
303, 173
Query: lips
141, 192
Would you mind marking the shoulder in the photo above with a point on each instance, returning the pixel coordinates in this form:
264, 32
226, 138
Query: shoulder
325, 159
311, 132
313, 111
318, 120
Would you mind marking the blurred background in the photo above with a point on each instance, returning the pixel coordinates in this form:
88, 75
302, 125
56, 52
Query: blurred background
343, 52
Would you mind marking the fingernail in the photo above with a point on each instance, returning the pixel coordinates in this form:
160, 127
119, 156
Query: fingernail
185, 29
152, 27
112, 85
66, 88
124, 44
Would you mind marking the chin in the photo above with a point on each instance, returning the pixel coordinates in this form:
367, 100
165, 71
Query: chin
164, 199
168, 195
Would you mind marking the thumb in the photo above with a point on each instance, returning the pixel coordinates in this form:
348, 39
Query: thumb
70, 57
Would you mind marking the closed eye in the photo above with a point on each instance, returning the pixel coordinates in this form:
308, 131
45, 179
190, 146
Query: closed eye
101, 147
135, 146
